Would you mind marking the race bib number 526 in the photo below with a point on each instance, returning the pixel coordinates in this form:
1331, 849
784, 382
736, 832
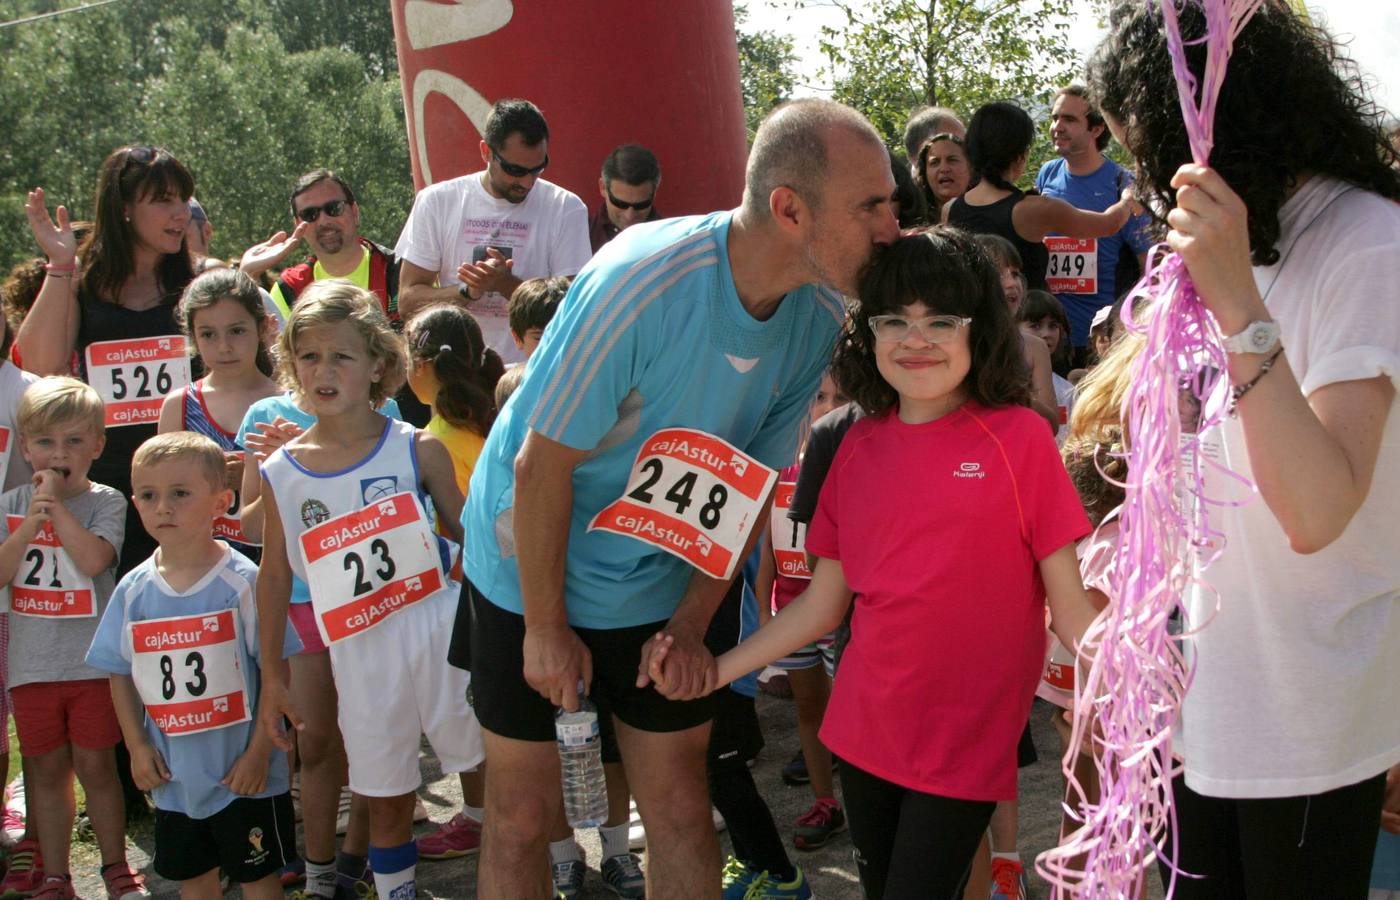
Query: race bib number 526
133, 376
187, 671
693, 495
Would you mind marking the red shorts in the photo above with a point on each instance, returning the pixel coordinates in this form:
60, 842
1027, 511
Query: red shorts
53, 713
303, 620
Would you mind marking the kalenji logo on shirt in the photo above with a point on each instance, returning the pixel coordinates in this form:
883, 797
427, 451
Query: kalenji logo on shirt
969, 470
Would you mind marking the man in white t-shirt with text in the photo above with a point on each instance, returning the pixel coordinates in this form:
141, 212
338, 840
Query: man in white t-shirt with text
472, 240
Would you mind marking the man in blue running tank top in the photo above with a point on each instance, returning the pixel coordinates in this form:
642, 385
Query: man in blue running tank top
674, 376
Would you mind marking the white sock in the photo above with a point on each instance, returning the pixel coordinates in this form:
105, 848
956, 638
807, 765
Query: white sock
614, 840
320, 878
1014, 856
564, 851
400, 885
475, 813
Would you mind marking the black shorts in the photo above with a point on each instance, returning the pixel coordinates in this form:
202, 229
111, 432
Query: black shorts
736, 736
505, 704
251, 838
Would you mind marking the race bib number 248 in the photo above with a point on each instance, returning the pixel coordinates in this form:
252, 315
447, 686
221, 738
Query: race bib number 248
693, 495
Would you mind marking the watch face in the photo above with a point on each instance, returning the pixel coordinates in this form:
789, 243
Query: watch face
1260, 338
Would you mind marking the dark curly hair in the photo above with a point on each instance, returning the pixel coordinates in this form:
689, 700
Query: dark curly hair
946, 270
1290, 105
997, 136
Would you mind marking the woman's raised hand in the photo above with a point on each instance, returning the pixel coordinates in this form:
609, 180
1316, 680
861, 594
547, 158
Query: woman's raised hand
55, 240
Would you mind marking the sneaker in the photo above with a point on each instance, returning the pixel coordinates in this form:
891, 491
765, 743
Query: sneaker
568, 877
56, 887
816, 827
293, 873
735, 879
459, 836
623, 876
342, 812
350, 887
11, 826
124, 883
26, 871
1008, 879
766, 887
774, 682
795, 772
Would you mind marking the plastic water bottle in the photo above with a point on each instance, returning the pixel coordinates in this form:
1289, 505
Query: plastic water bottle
581, 764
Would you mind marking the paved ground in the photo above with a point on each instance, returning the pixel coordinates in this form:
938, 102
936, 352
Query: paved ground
831, 871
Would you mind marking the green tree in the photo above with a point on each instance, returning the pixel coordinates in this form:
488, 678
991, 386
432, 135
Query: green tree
893, 56
766, 76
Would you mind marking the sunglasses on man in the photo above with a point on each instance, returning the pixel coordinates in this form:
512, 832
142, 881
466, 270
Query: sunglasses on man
515, 171
636, 204
312, 213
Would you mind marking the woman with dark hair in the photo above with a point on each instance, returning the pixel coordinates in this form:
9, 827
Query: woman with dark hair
942, 172
1290, 236
111, 298
998, 147
910, 208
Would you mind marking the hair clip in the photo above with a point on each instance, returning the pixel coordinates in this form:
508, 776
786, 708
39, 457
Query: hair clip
445, 348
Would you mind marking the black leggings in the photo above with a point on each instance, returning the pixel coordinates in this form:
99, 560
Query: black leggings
1284, 848
910, 844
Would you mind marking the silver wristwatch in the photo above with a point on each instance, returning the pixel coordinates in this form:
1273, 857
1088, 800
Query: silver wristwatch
1257, 337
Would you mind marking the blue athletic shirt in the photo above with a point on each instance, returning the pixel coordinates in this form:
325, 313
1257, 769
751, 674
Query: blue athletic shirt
1096, 193
267, 410
197, 762
651, 335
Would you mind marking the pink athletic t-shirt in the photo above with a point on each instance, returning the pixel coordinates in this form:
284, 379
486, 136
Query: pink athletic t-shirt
938, 528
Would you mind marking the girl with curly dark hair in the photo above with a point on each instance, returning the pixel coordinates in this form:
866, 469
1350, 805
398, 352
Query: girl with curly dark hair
1290, 236
948, 513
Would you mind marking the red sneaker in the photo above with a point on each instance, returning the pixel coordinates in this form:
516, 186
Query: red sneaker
1008, 880
459, 836
26, 872
124, 883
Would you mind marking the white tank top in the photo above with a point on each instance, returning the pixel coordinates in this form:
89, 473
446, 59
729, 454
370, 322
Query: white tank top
306, 498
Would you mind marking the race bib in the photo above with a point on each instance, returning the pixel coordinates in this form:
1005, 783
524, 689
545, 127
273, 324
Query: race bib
1059, 668
694, 496
187, 670
7, 439
1073, 267
47, 583
366, 565
789, 537
229, 526
133, 376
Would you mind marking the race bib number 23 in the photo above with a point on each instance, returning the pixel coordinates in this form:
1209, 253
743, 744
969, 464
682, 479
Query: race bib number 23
693, 495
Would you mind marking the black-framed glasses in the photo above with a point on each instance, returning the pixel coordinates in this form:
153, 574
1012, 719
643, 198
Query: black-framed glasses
515, 171
332, 209
635, 204
933, 329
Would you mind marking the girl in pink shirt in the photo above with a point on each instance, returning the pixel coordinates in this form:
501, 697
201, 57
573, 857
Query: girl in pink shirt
948, 515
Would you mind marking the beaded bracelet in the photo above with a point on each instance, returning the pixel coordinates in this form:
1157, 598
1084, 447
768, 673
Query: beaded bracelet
1239, 390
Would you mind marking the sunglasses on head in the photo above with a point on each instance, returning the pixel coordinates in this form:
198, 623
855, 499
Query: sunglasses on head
515, 171
332, 209
142, 155
637, 204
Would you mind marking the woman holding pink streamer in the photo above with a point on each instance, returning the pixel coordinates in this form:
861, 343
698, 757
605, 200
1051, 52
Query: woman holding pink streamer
1290, 724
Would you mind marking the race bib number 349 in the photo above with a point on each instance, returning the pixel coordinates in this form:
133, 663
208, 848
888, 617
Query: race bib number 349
133, 376
366, 565
187, 671
1073, 266
693, 495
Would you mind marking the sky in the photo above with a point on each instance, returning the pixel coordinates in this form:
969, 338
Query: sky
1369, 28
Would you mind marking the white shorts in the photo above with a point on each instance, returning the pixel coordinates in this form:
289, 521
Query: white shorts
395, 685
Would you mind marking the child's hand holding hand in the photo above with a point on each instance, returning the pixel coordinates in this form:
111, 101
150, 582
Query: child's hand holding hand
148, 768
249, 774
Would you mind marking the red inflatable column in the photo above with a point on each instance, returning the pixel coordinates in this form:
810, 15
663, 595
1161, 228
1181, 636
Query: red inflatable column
662, 73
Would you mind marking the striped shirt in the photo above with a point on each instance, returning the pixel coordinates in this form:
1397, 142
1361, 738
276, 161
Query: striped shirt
651, 335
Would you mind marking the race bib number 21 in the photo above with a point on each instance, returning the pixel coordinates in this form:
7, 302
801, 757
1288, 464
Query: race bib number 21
693, 495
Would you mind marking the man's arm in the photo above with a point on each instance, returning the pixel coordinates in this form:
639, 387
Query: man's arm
418, 290
555, 658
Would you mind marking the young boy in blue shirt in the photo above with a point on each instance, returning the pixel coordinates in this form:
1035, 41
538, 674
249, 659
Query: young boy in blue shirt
180, 639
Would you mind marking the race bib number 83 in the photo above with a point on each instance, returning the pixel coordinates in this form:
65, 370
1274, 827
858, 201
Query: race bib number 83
187, 671
693, 495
